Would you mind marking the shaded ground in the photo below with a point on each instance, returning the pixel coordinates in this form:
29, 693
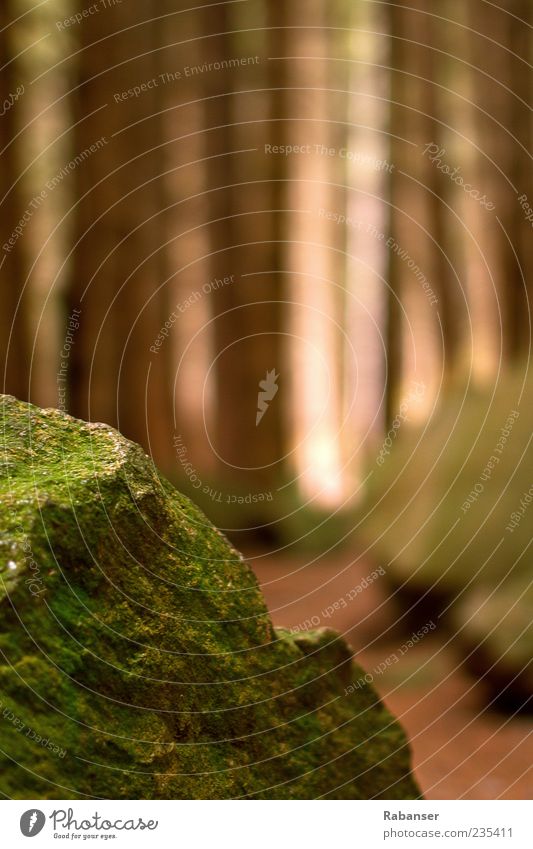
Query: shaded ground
460, 749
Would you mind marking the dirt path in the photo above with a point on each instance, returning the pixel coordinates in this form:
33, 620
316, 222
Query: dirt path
460, 749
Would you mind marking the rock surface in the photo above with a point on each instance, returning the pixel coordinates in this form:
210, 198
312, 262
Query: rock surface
137, 656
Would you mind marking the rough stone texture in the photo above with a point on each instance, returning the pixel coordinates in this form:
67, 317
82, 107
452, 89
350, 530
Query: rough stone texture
136, 644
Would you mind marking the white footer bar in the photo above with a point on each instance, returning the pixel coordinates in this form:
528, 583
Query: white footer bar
267, 825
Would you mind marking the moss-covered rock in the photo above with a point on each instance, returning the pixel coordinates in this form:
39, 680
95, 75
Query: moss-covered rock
449, 516
137, 656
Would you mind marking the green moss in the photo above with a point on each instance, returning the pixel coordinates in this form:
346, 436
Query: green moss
134, 639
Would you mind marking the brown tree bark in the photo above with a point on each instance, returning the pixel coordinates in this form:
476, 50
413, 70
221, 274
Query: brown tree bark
368, 172
313, 256
184, 158
471, 229
247, 311
44, 153
14, 338
119, 270
501, 54
415, 317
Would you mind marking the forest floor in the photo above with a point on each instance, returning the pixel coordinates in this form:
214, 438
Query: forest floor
461, 749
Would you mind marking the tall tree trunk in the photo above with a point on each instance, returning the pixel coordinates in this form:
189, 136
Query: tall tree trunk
119, 371
14, 341
502, 85
521, 125
247, 308
184, 158
368, 171
44, 152
314, 287
472, 237
415, 346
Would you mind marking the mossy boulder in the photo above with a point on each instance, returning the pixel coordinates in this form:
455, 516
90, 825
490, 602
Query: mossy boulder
137, 657
449, 516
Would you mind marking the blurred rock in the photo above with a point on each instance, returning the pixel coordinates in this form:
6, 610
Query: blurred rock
449, 517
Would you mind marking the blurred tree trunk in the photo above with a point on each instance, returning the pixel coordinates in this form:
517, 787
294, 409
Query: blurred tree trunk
186, 232
314, 252
472, 238
415, 347
14, 341
445, 228
119, 275
520, 47
367, 176
502, 86
44, 152
247, 309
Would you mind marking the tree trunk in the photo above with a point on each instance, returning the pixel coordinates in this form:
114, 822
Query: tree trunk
368, 171
314, 262
14, 339
416, 335
502, 85
247, 307
119, 371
